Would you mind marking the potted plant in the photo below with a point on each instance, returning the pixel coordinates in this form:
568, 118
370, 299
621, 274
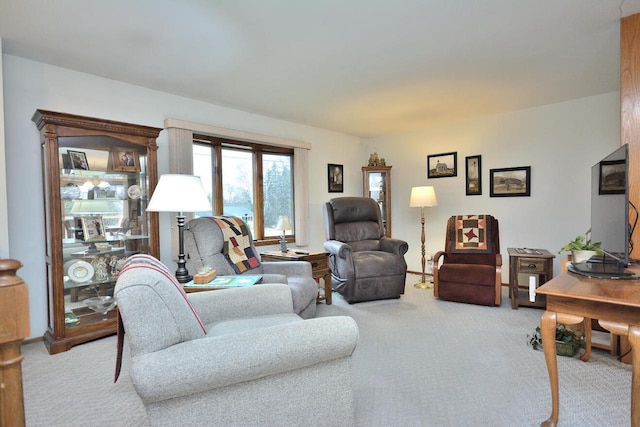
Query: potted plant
582, 248
567, 341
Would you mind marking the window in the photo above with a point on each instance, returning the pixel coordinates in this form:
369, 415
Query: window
250, 181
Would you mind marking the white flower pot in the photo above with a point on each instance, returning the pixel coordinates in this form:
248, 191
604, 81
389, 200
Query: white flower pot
581, 256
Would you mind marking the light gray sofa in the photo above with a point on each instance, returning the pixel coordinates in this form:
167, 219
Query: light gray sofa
236, 357
204, 241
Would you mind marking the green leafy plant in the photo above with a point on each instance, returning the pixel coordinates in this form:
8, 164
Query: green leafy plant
582, 243
567, 341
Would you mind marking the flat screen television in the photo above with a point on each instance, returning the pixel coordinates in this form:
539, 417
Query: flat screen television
610, 217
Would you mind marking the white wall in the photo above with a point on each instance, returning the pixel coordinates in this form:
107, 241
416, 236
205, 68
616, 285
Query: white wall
560, 142
32, 85
4, 211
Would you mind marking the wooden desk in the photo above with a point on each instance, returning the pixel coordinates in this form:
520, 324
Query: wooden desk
319, 266
573, 299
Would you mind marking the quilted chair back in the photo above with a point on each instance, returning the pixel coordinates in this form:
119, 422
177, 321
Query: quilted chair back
354, 220
154, 309
204, 244
472, 239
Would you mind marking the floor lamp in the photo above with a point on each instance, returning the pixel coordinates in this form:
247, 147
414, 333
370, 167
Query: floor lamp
423, 197
180, 193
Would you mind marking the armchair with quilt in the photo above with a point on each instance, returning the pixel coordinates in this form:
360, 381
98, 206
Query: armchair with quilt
365, 264
231, 357
225, 244
470, 267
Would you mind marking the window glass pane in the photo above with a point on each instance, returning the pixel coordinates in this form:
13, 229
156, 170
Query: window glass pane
278, 191
202, 157
237, 182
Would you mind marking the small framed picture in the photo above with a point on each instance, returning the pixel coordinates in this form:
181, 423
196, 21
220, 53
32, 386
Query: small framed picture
613, 177
125, 160
78, 160
510, 182
92, 227
334, 175
473, 172
442, 165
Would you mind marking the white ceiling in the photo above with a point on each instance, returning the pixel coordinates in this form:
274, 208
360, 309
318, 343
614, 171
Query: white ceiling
362, 67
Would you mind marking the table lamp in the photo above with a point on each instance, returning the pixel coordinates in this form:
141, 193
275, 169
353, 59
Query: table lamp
179, 193
422, 197
284, 224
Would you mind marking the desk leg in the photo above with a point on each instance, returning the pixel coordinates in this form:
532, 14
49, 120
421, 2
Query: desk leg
548, 324
327, 288
634, 340
548, 332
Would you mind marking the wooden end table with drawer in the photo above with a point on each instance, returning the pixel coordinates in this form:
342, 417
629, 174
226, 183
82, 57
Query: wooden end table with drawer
527, 266
319, 265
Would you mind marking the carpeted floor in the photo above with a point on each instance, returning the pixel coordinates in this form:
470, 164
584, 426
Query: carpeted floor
419, 362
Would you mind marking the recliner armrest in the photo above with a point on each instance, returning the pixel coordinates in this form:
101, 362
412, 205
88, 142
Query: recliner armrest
259, 300
213, 362
394, 246
340, 249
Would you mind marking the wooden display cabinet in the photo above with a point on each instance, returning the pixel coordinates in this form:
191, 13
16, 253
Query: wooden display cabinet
377, 185
98, 176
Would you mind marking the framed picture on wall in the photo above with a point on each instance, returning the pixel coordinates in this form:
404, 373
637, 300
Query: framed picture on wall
473, 174
442, 165
335, 178
510, 182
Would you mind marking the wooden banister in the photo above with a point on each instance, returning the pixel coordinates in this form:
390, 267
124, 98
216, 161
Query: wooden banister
14, 327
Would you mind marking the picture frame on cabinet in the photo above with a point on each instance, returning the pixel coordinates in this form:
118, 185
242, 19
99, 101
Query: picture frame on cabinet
93, 228
473, 175
335, 178
125, 160
78, 160
510, 182
442, 165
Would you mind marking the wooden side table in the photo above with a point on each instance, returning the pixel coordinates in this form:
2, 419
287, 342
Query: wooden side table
319, 265
525, 265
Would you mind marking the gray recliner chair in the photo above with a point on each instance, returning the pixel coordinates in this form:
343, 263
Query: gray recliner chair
365, 264
237, 357
205, 245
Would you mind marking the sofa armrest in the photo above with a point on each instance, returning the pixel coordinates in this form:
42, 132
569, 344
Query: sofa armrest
219, 305
288, 268
213, 362
394, 246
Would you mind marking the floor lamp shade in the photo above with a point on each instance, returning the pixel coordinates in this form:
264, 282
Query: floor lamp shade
179, 193
422, 197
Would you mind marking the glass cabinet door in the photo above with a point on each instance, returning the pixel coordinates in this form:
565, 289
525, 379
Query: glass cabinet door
103, 196
377, 185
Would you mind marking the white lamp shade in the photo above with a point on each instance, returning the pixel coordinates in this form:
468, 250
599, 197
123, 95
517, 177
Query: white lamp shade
284, 223
179, 193
423, 197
